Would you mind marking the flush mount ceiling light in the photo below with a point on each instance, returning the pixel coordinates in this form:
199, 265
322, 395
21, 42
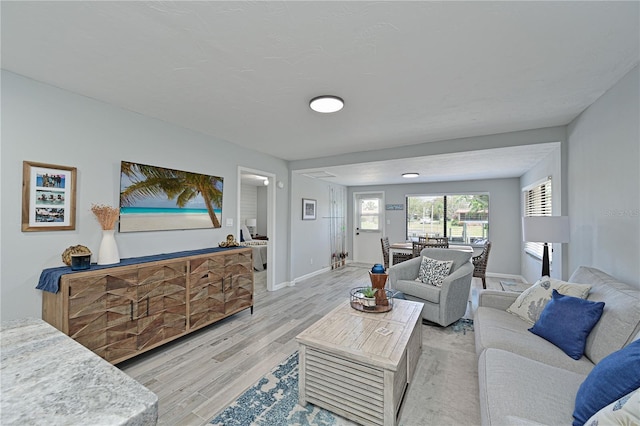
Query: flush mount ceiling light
326, 104
410, 175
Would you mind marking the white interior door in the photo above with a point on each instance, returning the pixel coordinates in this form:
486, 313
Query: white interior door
368, 226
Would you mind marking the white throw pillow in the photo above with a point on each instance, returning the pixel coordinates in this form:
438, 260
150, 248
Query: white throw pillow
532, 301
623, 411
433, 271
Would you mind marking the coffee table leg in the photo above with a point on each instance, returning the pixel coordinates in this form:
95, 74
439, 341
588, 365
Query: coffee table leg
302, 367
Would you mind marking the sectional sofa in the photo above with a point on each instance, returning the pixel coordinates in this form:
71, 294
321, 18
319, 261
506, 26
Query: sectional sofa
523, 378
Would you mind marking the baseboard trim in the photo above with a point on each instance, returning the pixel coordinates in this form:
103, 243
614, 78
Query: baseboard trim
507, 276
282, 285
311, 274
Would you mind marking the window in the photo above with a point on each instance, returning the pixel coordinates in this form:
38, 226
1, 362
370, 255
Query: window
537, 202
369, 213
464, 219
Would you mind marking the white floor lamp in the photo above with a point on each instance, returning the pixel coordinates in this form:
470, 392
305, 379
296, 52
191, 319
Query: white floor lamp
545, 229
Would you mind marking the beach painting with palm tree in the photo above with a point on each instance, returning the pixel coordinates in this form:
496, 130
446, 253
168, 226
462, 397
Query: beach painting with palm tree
159, 199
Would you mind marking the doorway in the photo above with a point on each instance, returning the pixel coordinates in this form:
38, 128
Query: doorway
368, 209
265, 213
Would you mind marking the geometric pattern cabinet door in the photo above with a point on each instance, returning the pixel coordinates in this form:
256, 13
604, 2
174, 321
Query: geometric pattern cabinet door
101, 311
206, 297
161, 303
238, 282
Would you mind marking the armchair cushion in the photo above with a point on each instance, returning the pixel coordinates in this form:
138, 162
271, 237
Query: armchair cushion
433, 271
418, 290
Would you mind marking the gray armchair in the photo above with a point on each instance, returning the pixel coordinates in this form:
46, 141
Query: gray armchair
442, 305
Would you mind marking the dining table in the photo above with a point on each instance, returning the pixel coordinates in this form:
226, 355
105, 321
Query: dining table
407, 248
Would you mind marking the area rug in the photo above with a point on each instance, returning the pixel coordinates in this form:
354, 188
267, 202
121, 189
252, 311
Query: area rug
448, 360
273, 400
514, 286
463, 325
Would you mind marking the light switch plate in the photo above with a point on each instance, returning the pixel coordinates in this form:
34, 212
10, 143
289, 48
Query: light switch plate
229, 221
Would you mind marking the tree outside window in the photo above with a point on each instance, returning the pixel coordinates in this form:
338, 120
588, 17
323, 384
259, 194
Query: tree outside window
464, 219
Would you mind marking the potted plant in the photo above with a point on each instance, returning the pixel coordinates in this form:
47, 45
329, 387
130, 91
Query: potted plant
368, 297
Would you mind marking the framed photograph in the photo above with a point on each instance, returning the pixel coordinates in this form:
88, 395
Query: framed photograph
308, 209
48, 197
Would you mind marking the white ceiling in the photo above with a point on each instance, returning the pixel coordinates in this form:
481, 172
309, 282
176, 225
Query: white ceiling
481, 164
410, 72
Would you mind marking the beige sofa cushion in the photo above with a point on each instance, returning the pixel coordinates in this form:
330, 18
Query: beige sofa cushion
519, 390
620, 320
501, 330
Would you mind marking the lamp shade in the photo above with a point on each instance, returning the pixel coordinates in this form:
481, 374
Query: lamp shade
545, 229
250, 222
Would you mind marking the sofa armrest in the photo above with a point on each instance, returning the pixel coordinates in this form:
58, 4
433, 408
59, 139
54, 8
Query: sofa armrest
407, 270
497, 299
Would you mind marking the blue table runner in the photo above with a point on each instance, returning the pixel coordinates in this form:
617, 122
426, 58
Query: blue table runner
50, 277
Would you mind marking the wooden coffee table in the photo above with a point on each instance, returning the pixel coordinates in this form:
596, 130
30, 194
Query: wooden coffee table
348, 364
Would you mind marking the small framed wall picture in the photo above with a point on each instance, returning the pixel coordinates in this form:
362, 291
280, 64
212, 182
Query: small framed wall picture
48, 197
308, 209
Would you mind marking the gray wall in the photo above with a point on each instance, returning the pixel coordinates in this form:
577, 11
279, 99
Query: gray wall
310, 239
45, 124
604, 183
504, 215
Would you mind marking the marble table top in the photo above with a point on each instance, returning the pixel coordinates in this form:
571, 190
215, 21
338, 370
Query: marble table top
48, 378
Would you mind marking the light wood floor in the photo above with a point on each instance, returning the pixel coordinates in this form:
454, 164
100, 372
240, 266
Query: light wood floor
200, 374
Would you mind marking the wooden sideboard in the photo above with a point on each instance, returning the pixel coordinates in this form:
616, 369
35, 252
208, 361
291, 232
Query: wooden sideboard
122, 311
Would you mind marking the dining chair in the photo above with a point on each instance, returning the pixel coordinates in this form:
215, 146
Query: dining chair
417, 248
385, 251
438, 242
480, 263
397, 258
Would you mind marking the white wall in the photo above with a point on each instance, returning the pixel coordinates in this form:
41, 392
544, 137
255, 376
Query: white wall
504, 215
551, 165
248, 205
604, 183
45, 124
310, 239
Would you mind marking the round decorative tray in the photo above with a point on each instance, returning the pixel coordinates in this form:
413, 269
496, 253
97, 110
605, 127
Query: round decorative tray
378, 304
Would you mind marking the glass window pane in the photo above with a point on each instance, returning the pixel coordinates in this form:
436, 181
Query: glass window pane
369, 223
425, 216
370, 206
464, 219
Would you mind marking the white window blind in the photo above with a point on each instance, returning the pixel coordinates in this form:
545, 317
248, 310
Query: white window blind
537, 202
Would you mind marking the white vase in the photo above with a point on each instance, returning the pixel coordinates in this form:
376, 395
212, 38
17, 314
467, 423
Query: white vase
108, 252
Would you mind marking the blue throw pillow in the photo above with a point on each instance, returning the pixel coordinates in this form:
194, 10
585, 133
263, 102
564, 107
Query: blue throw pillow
611, 379
566, 322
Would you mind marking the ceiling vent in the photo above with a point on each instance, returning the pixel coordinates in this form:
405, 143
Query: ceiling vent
320, 174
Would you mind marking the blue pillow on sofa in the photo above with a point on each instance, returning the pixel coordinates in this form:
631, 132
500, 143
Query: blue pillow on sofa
566, 322
612, 378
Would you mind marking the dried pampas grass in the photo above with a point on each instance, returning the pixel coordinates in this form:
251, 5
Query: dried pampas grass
107, 216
